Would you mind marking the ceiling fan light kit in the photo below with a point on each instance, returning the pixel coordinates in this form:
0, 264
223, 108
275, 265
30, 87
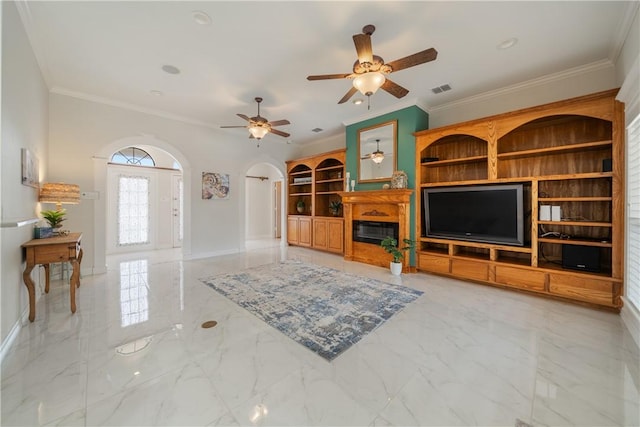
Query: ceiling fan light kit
258, 131
377, 157
369, 83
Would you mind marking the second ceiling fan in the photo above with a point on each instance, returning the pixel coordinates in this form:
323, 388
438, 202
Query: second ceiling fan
370, 71
259, 126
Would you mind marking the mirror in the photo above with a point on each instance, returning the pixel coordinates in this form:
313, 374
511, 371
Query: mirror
377, 149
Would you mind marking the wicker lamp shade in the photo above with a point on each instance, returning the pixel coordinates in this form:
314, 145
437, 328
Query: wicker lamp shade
59, 193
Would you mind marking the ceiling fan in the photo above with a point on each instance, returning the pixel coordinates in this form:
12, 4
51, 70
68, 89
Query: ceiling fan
377, 156
370, 71
259, 126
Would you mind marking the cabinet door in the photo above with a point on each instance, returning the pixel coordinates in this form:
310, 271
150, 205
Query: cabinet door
292, 231
304, 231
320, 234
335, 236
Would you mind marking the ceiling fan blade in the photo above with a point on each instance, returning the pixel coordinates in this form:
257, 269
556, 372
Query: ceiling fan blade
394, 89
279, 133
280, 122
242, 116
363, 47
229, 127
412, 60
348, 95
328, 76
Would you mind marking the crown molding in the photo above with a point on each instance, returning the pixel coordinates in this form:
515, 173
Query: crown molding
34, 39
623, 30
550, 78
132, 107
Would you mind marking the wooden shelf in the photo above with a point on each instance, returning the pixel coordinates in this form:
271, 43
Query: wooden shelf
555, 150
329, 180
448, 162
305, 172
300, 183
575, 199
330, 168
521, 249
578, 223
588, 175
327, 192
557, 241
299, 194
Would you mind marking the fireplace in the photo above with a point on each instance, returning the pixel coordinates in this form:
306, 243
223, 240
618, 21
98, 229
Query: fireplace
374, 231
369, 217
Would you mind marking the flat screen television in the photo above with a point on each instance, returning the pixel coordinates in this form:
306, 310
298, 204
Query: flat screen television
482, 213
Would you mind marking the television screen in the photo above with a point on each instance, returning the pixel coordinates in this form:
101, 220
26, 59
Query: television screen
491, 214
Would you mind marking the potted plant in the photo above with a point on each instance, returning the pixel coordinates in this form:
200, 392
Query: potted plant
54, 218
334, 207
300, 206
390, 245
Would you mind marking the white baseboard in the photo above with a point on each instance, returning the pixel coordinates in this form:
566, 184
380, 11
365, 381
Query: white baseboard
13, 334
631, 319
210, 254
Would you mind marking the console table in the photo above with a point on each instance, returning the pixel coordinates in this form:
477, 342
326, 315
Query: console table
51, 250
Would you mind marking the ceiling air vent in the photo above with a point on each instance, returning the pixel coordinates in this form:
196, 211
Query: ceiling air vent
443, 88
317, 130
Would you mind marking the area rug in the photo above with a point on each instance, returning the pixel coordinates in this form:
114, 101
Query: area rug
325, 310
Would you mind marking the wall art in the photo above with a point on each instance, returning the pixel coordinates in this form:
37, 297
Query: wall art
215, 185
30, 170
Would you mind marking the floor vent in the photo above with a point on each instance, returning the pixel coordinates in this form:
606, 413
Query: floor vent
209, 324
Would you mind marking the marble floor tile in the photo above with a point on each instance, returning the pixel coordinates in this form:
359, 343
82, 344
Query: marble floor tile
135, 353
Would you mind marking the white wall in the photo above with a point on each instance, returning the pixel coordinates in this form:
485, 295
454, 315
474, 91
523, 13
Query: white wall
81, 129
260, 201
24, 125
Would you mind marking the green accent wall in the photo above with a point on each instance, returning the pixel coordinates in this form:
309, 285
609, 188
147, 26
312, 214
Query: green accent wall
410, 120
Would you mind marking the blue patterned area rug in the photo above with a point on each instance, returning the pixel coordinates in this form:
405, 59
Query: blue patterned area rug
321, 308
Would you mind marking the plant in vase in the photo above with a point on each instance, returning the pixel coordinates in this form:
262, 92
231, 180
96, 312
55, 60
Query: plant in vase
390, 245
54, 218
300, 206
334, 207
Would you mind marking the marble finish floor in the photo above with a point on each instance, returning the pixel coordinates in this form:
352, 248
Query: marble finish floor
462, 354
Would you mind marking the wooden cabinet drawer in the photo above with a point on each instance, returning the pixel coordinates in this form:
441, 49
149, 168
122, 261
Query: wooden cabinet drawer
585, 289
520, 278
55, 253
433, 263
470, 269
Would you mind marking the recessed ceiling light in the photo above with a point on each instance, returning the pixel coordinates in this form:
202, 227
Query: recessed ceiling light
508, 43
357, 101
156, 92
170, 69
201, 17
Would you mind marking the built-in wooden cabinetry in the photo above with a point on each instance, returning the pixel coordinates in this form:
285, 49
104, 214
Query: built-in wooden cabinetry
558, 149
316, 181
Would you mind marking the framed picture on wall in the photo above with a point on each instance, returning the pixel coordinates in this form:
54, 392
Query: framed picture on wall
215, 185
30, 169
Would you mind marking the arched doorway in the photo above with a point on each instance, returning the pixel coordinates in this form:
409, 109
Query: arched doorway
264, 202
105, 205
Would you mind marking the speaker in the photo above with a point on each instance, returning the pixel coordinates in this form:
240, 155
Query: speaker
607, 166
583, 258
545, 212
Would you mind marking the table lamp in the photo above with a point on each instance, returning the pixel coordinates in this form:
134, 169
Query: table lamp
59, 193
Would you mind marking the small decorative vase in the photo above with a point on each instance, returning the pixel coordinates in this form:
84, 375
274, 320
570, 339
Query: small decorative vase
300, 209
396, 268
399, 180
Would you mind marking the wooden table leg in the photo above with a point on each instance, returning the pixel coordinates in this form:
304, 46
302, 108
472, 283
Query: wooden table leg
26, 277
47, 279
79, 264
74, 283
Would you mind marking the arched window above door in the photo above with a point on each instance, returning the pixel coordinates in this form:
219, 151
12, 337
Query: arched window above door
133, 156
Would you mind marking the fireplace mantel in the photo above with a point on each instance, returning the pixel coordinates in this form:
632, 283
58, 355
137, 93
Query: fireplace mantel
375, 205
